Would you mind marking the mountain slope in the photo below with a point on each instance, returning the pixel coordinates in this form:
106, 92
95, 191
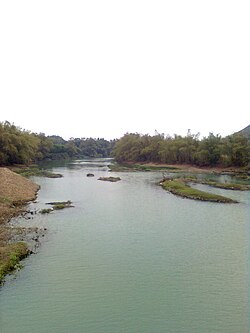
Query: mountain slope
245, 131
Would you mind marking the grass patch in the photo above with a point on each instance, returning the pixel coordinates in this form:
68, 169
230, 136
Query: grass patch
60, 206
181, 188
57, 205
65, 203
35, 171
110, 179
227, 186
150, 167
46, 211
10, 256
120, 167
243, 177
116, 167
224, 186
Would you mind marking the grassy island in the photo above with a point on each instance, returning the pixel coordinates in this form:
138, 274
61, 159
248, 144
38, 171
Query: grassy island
181, 188
57, 205
110, 179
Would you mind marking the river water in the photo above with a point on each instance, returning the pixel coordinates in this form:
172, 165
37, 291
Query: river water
131, 257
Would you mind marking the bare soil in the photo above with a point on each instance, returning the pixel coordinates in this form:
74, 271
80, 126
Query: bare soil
16, 187
15, 192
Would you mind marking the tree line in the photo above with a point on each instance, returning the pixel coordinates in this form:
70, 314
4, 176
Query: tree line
18, 146
212, 150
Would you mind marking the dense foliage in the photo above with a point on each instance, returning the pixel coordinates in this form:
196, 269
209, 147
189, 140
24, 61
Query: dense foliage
210, 151
18, 146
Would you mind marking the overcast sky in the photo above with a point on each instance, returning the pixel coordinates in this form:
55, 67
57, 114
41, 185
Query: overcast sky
103, 68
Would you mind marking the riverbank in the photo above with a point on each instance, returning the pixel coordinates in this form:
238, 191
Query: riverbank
33, 170
132, 166
15, 192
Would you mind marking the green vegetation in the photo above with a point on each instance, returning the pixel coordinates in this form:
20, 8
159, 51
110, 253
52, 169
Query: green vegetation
181, 188
46, 210
18, 146
110, 179
15, 192
57, 205
148, 167
35, 171
124, 167
242, 177
225, 186
119, 167
89, 147
10, 256
245, 131
231, 151
60, 206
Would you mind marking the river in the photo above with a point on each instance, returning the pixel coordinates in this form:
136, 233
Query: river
131, 258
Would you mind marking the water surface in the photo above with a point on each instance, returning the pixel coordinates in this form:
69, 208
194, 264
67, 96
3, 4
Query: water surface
131, 257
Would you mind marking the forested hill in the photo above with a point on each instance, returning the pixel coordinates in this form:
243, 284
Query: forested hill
18, 146
245, 131
210, 151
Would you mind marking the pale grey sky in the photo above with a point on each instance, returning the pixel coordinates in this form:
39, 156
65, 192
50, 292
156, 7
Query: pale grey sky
104, 68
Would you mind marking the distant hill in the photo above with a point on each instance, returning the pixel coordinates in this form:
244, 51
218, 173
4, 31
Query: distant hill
245, 131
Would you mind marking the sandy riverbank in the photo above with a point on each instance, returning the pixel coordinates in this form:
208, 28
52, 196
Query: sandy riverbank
15, 192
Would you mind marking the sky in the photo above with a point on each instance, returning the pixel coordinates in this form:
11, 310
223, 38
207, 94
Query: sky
104, 68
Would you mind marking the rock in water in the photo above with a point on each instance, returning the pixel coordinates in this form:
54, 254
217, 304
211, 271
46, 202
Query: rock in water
110, 179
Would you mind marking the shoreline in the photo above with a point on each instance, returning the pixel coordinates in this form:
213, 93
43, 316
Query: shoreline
15, 194
151, 166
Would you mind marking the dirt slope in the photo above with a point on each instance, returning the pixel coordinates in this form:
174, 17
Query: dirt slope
15, 190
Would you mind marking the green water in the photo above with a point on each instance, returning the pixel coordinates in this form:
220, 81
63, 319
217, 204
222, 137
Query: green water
131, 257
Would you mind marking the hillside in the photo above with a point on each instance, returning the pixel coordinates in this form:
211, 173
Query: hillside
245, 131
